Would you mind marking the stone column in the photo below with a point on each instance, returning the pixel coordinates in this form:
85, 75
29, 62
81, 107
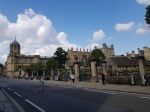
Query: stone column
76, 64
58, 73
104, 68
52, 74
70, 68
142, 69
93, 70
37, 74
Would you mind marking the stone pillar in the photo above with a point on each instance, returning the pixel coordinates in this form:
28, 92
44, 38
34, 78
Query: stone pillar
104, 68
52, 74
58, 73
93, 70
32, 74
70, 68
37, 74
76, 64
142, 69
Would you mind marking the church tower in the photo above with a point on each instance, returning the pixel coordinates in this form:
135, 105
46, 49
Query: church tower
14, 48
12, 58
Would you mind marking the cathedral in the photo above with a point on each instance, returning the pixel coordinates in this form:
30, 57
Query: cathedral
16, 60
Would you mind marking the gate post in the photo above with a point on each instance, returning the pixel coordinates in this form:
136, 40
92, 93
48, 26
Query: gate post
76, 64
104, 68
93, 70
141, 68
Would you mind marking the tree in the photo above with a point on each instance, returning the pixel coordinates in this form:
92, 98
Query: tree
97, 55
147, 15
52, 63
26, 69
61, 56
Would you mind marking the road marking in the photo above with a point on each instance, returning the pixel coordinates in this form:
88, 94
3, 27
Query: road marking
107, 92
34, 105
145, 97
17, 94
19, 107
99, 91
9, 89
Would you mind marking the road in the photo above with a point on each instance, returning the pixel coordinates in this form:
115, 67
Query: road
59, 98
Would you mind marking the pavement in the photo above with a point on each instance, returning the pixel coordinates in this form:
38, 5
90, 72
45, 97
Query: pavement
107, 87
5, 105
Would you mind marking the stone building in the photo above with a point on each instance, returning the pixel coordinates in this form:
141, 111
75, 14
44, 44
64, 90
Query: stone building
16, 60
83, 55
145, 52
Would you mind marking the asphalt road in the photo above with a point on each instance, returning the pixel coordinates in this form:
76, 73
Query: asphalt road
58, 98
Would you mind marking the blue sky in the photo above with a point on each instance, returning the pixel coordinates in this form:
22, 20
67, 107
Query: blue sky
41, 26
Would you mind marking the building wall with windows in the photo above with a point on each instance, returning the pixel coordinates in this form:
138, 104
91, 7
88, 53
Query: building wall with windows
16, 60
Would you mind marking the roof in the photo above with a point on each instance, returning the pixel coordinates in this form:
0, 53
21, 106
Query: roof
128, 62
15, 42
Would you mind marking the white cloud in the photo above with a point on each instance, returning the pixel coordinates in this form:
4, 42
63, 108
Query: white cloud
92, 46
142, 29
35, 34
146, 2
98, 35
124, 26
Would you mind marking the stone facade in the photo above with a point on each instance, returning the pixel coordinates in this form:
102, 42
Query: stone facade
145, 52
83, 55
16, 60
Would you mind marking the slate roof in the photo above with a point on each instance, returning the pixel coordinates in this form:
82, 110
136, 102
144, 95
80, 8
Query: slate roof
127, 62
15, 42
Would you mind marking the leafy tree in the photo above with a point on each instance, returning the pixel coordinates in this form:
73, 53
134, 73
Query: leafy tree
52, 63
97, 55
27, 69
61, 56
38, 67
147, 15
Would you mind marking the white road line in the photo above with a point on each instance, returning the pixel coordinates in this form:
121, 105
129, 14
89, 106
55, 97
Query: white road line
19, 107
108, 92
99, 91
9, 89
145, 97
34, 105
17, 94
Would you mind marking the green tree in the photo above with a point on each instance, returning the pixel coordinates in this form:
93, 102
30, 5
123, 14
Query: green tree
51, 64
97, 55
27, 69
147, 15
61, 56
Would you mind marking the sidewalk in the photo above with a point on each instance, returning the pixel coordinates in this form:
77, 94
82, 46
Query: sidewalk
5, 105
111, 87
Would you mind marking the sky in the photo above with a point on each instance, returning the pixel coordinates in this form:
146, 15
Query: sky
41, 26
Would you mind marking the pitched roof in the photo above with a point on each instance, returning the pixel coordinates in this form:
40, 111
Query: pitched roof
15, 42
127, 62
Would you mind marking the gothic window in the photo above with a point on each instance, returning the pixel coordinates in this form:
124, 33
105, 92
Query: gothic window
12, 60
84, 58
